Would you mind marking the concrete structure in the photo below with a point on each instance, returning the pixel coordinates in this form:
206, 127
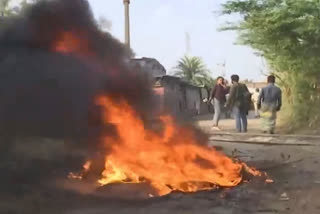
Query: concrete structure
172, 94
179, 98
127, 22
149, 65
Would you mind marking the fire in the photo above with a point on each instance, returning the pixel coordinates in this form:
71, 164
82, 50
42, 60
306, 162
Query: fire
69, 42
170, 161
79, 176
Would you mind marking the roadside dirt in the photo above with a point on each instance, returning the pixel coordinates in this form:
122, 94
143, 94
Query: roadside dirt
30, 185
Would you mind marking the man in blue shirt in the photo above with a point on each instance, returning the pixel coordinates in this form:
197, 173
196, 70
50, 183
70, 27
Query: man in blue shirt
269, 103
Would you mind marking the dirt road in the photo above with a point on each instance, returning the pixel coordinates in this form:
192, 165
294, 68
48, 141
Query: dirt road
296, 187
291, 161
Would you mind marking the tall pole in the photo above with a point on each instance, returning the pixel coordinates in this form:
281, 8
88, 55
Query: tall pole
127, 22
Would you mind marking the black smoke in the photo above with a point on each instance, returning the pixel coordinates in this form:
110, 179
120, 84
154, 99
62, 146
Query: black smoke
45, 93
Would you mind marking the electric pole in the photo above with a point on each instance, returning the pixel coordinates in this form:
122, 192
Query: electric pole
188, 46
127, 22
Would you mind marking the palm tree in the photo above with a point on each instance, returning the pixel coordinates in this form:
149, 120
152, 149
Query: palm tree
193, 70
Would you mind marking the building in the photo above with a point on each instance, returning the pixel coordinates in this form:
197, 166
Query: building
178, 97
172, 94
149, 65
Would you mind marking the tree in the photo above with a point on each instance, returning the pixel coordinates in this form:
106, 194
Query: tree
287, 34
4, 10
193, 70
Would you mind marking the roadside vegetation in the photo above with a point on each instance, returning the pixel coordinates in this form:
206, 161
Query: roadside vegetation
5, 10
287, 34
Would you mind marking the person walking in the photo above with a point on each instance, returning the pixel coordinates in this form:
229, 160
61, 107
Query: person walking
239, 101
269, 103
255, 97
218, 95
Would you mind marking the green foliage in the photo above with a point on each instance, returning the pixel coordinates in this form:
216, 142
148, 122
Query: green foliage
4, 10
287, 34
26, 4
193, 70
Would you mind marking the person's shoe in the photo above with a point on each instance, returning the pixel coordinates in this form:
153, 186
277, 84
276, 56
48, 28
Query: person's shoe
215, 128
271, 132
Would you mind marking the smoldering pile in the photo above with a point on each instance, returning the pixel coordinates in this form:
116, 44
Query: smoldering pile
53, 61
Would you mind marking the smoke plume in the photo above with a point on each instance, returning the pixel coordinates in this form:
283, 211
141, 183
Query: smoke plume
54, 60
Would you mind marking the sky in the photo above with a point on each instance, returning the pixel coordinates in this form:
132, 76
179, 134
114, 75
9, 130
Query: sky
159, 28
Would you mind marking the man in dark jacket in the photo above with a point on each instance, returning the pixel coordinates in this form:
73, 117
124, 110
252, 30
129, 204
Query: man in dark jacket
239, 101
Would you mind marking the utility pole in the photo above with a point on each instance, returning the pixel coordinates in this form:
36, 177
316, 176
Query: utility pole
188, 46
222, 68
127, 22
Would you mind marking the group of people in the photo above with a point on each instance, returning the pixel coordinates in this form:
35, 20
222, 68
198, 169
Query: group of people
238, 100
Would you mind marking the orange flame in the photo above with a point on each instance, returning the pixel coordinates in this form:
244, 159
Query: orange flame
79, 176
172, 160
169, 161
69, 42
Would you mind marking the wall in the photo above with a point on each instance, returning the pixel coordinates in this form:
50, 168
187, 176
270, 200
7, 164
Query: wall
193, 98
159, 101
181, 98
173, 96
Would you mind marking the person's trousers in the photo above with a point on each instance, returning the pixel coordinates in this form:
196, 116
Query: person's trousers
268, 117
241, 119
218, 106
256, 110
